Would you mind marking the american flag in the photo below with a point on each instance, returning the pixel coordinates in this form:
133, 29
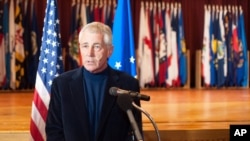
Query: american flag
50, 66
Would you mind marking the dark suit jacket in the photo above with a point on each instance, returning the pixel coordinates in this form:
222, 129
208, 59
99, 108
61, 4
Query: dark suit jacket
67, 117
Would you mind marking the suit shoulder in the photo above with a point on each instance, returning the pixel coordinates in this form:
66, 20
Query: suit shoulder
124, 75
69, 74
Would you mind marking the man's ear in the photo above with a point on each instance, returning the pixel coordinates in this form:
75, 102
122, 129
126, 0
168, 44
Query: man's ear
110, 50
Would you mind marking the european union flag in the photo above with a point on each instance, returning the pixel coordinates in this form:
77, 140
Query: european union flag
123, 57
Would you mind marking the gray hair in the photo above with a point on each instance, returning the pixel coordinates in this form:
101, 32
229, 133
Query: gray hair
98, 27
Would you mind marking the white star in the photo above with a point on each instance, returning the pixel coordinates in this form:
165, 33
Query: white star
118, 65
53, 53
43, 70
52, 63
54, 34
52, 3
132, 60
57, 21
51, 72
58, 66
50, 82
59, 35
49, 32
50, 22
46, 51
48, 41
57, 74
60, 57
53, 43
45, 60
51, 12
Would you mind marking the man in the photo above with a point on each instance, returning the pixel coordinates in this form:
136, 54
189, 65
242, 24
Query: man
81, 108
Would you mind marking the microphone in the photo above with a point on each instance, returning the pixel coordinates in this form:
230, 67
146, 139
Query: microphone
125, 103
116, 91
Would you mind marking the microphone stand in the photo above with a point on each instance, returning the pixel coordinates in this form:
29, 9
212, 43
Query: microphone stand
134, 125
150, 118
125, 103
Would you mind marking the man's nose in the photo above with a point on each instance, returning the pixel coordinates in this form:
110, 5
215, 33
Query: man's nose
90, 51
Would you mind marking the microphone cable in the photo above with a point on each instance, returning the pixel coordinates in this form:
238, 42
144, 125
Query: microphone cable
150, 118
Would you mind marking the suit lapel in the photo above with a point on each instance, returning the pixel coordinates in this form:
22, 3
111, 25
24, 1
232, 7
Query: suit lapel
77, 90
109, 100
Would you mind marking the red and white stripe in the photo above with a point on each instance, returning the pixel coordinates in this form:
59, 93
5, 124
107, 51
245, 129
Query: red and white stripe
39, 110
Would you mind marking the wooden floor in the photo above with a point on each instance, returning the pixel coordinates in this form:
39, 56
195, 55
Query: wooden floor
175, 111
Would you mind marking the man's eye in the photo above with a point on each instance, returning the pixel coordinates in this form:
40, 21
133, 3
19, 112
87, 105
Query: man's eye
85, 46
97, 47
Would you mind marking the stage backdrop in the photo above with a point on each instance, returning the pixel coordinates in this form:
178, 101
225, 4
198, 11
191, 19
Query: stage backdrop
193, 18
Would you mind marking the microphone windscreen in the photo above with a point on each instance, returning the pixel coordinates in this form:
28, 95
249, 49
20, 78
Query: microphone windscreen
124, 101
113, 91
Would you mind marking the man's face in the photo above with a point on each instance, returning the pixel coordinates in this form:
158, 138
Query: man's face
94, 52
